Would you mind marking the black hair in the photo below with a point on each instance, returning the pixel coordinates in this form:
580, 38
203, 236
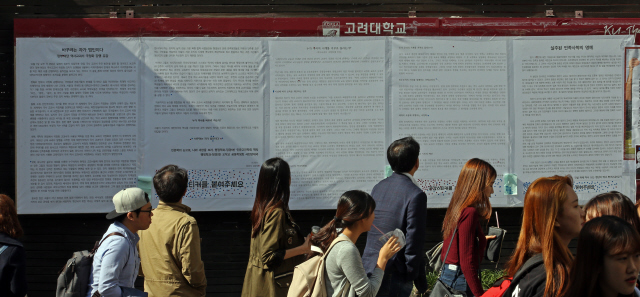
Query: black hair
403, 154
170, 183
272, 191
353, 206
599, 237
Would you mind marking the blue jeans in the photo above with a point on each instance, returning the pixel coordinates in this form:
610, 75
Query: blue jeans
394, 285
455, 279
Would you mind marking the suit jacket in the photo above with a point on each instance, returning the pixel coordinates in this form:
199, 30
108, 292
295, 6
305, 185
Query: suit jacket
403, 205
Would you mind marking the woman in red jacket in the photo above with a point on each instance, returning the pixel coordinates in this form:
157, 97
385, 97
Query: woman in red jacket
469, 204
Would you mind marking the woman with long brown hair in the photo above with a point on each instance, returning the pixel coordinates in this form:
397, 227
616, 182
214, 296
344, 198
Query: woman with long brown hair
345, 274
551, 218
608, 259
469, 204
13, 263
277, 245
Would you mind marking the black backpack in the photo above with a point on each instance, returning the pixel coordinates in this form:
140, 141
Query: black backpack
73, 279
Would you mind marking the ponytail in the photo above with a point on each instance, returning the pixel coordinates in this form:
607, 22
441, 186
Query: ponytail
325, 236
353, 206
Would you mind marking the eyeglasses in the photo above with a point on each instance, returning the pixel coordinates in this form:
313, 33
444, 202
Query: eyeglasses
150, 210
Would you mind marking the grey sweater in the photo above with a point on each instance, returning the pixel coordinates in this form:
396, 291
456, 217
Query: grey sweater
344, 264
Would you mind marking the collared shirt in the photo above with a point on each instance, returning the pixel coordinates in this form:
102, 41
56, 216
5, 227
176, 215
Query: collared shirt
413, 180
116, 263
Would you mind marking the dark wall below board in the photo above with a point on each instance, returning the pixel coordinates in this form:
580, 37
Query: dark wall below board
51, 239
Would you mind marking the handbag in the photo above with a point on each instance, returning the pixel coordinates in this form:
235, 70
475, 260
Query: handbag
494, 246
441, 289
433, 255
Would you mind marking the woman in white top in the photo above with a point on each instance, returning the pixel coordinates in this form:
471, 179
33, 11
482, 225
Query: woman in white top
608, 259
344, 273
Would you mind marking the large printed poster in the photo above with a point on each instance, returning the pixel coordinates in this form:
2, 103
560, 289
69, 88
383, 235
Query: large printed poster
96, 114
327, 116
203, 110
569, 112
452, 97
77, 122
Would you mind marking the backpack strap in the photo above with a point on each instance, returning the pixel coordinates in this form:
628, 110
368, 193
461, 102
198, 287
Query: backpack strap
338, 239
345, 290
98, 244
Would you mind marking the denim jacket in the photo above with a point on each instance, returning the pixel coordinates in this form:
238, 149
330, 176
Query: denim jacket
115, 264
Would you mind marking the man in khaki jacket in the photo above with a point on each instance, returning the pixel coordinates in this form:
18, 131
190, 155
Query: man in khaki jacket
170, 248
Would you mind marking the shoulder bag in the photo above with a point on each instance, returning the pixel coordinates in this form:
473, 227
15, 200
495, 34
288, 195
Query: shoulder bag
441, 289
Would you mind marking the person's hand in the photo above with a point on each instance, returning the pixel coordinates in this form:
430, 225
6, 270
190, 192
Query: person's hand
634, 62
390, 248
387, 251
306, 246
490, 237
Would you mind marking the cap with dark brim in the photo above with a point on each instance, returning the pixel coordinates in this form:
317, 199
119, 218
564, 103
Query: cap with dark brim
114, 214
127, 200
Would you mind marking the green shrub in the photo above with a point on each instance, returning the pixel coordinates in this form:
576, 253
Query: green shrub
431, 279
489, 276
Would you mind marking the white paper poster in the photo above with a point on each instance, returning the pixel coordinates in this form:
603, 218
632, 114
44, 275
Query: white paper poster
452, 97
76, 123
204, 112
569, 111
327, 116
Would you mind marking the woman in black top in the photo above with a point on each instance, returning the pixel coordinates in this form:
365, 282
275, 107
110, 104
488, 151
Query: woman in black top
13, 273
608, 259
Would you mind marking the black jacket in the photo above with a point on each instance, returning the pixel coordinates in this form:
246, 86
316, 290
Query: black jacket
530, 280
13, 268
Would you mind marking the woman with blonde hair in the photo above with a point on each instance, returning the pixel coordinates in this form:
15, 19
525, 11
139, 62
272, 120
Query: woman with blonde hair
13, 263
551, 218
469, 204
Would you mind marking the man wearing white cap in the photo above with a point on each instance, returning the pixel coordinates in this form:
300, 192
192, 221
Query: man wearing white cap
116, 262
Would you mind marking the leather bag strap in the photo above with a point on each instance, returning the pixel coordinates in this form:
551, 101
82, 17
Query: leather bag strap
448, 248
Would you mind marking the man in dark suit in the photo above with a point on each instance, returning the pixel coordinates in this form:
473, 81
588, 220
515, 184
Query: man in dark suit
401, 204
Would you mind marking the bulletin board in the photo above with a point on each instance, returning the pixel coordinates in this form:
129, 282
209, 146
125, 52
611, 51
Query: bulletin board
101, 104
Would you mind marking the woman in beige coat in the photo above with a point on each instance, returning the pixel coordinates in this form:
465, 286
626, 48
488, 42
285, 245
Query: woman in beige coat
277, 245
